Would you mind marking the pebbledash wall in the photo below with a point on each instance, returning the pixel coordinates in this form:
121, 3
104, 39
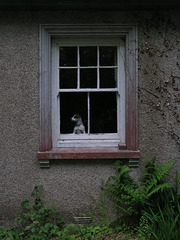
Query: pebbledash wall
71, 182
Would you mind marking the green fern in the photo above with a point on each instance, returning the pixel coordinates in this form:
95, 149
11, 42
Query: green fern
120, 188
155, 187
131, 198
155, 173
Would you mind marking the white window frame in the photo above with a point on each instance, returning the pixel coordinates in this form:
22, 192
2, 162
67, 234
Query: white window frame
88, 140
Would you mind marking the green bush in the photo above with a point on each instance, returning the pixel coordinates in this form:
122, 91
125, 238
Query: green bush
38, 222
7, 234
163, 223
132, 199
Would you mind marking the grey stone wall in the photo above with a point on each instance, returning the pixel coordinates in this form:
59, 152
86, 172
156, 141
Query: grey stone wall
71, 182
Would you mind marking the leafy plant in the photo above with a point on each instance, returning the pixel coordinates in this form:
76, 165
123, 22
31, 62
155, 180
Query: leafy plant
143, 228
39, 221
93, 231
121, 187
133, 199
7, 234
164, 223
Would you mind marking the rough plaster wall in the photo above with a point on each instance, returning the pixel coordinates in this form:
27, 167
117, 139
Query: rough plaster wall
69, 183
159, 86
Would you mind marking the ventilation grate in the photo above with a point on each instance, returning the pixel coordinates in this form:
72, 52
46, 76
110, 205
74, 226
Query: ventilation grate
82, 220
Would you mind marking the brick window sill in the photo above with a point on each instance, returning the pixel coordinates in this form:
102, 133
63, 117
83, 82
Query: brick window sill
87, 153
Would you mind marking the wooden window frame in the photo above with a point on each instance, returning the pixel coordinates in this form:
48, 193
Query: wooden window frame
123, 151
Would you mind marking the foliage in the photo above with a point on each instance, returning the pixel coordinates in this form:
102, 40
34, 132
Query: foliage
82, 232
163, 224
44, 222
38, 222
120, 188
151, 211
143, 228
93, 232
131, 198
7, 234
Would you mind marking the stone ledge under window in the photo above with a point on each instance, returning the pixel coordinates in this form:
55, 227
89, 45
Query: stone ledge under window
88, 153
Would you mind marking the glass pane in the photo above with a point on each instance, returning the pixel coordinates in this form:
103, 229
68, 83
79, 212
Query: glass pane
71, 104
88, 56
108, 78
108, 56
88, 78
68, 56
103, 113
68, 78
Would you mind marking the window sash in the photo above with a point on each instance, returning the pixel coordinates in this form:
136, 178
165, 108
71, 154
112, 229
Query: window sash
97, 66
90, 135
120, 89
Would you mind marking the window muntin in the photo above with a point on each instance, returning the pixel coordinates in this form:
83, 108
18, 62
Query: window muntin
88, 79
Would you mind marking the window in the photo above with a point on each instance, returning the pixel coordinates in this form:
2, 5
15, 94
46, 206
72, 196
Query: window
88, 81
88, 92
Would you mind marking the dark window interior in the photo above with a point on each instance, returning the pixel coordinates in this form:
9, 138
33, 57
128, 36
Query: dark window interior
68, 78
108, 56
68, 56
88, 56
103, 111
108, 78
88, 78
71, 104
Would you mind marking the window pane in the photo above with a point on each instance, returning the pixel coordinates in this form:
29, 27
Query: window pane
103, 113
88, 78
108, 78
88, 56
71, 104
68, 56
108, 56
68, 78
